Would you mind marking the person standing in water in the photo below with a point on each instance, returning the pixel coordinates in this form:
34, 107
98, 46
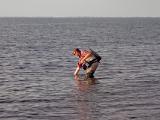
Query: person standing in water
88, 60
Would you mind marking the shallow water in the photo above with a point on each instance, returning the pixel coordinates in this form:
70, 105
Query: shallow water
36, 69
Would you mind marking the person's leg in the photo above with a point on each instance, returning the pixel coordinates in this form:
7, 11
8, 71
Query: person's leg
91, 70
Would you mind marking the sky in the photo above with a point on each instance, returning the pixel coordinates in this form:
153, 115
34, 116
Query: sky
79, 8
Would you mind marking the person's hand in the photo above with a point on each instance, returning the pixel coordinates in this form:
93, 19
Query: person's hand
76, 77
75, 74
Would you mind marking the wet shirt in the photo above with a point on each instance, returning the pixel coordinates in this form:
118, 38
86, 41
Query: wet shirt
84, 53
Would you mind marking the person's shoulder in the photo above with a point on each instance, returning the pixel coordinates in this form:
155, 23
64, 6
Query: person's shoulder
85, 51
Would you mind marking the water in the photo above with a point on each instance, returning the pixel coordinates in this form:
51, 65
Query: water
36, 69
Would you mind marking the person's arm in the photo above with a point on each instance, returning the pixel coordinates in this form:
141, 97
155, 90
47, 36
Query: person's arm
77, 70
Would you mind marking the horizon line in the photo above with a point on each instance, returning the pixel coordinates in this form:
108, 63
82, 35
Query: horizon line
79, 17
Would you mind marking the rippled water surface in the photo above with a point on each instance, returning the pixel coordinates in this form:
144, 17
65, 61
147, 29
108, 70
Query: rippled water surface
36, 69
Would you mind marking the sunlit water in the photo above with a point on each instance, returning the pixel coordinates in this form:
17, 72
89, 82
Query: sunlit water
36, 69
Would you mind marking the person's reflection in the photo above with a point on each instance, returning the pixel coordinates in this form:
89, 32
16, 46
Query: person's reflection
84, 84
85, 99
84, 109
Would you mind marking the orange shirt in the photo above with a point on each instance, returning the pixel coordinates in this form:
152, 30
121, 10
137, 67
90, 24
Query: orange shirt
83, 54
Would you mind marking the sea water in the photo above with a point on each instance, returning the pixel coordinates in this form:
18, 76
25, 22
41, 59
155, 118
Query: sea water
37, 66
